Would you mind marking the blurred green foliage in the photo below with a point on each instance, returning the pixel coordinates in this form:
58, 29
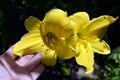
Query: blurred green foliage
113, 69
14, 12
112, 66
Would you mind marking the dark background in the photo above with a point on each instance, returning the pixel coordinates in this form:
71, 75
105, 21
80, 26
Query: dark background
14, 12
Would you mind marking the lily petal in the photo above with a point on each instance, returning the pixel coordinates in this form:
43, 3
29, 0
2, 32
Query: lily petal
98, 26
100, 47
64, 50
57, 22
56, 16
29, 43
86, 57
32, 23
81, 19
49, 56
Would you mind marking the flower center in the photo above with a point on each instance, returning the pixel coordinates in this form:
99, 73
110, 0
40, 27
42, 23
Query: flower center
50, 39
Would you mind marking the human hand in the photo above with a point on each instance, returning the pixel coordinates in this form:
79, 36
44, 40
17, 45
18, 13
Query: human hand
27, 67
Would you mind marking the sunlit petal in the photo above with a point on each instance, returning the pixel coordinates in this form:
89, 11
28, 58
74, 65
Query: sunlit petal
30, 43
81, 19
86, 57
100, 47
49, 56
56, 16
57, 22
65, 51
98, 26
32, 23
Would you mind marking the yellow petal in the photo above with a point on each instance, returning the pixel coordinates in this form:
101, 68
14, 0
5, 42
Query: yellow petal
32, 23
49, 56
29, 43
100, 47
64, 50
86, 57
81, 19
97, 26
57, 22
56, 16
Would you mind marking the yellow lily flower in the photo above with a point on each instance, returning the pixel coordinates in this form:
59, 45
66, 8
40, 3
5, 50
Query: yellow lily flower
65, 37
47, 36
88, 35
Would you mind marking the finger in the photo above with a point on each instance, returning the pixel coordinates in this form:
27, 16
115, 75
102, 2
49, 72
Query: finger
3, 72
10, 53
9, 63
14, 70
24, 59
37, 71
35, 61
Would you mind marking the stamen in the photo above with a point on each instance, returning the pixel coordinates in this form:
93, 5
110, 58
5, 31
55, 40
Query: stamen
50, 39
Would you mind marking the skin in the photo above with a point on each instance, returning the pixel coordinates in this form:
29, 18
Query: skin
27, 67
